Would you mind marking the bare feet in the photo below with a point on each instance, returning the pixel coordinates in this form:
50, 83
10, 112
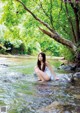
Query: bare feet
57, 78
39, 79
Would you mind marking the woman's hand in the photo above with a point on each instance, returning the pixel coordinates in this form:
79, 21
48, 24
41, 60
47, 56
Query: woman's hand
56, 78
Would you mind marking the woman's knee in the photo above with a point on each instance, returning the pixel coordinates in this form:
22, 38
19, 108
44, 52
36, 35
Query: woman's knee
36, 70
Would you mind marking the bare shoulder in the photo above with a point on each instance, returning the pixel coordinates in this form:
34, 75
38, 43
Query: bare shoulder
48, 64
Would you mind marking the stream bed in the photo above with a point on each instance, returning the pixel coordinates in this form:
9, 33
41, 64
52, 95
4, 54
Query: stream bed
20, 92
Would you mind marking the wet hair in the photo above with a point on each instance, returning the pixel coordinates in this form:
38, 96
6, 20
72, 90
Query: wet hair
44, 61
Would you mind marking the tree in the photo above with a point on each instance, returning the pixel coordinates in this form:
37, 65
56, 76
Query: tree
50, 17
73, 44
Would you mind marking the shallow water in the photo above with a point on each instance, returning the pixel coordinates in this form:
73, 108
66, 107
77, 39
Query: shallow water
20, 91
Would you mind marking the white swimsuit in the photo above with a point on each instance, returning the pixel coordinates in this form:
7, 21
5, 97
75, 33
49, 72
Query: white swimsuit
48, 72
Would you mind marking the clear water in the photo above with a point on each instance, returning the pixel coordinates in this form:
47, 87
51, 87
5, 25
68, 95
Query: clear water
20, 91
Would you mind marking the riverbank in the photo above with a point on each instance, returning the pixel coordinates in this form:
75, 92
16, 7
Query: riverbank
30, 56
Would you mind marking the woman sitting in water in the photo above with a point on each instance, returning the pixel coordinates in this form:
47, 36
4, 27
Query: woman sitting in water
43, 70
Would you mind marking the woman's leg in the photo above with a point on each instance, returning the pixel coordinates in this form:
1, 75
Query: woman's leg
39, 78
41, 75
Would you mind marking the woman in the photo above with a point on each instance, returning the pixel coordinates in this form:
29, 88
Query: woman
43, 70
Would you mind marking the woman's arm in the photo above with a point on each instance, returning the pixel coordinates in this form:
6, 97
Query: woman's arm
51, 69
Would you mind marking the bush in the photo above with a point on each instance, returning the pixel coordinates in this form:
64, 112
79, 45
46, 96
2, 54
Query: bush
67, 53
22, 49
2, 51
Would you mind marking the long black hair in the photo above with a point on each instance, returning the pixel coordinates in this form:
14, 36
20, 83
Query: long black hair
44, 61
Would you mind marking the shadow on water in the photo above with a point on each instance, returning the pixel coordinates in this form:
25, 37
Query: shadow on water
22, 93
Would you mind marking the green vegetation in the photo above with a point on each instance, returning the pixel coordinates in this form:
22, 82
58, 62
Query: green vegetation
20, 33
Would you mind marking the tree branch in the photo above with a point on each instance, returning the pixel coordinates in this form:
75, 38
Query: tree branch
51, 17
44, 10
39, 20
70, 21
46, 14
59, 39
76, 9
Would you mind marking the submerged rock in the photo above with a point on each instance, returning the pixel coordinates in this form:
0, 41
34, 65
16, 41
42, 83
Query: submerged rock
52, 108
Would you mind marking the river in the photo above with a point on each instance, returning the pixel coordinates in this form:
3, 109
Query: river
20, 92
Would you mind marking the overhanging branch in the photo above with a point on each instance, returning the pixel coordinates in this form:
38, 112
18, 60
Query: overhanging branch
59, 39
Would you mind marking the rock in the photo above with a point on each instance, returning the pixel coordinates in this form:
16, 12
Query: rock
5, 65
69, 67
52, 108
7, 80
77, 74
77, 96
65, 67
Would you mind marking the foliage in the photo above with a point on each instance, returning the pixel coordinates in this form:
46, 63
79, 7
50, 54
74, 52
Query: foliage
22, 29
67, 53
2, 49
